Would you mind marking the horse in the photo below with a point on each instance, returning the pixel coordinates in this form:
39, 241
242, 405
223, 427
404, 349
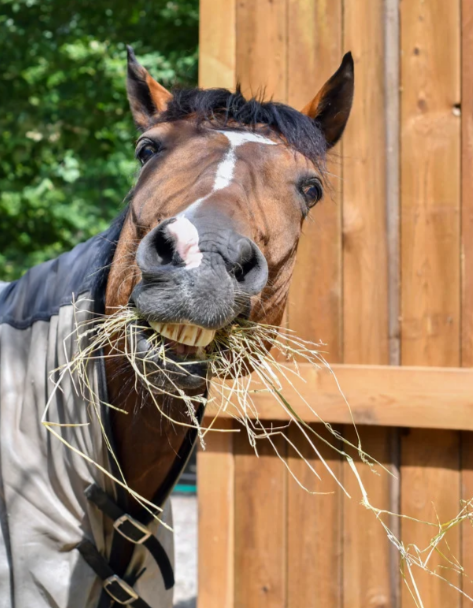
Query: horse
209, 234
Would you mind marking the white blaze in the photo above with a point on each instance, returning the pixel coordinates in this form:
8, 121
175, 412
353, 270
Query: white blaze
224, 175
183, 230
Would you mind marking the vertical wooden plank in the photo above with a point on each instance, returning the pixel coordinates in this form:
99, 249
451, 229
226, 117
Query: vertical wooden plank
215, 474
367, 569
314, 552
391, 45
364, 177
217, 44
430, 191
314, 308
430, 183
467, 183
261, 47
366, 549
260, 525
467, 273
392, 61
430, 492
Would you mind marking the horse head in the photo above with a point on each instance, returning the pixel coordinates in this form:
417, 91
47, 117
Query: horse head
217, 211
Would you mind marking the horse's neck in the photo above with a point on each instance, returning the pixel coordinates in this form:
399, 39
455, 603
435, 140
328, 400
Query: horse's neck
147, 443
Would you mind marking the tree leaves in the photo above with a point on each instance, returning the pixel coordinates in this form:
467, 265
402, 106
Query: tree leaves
66, 135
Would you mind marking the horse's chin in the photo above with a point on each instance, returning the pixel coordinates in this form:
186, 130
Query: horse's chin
169, 374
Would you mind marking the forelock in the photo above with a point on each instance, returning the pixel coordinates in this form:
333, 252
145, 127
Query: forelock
222, 109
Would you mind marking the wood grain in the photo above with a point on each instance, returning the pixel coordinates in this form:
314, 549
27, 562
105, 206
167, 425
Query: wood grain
467, 276
365, 282
366, 558
366, 550
378, 395
315, 307
215, 470
430, 183
314, 552
392, 100
467, 183
260, 525
431, 492
217, 44
430, 191
261, 47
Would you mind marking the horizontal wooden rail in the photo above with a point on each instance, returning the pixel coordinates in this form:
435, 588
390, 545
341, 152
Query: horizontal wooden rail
427, 397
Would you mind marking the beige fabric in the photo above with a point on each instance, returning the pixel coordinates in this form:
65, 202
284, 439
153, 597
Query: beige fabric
43, 510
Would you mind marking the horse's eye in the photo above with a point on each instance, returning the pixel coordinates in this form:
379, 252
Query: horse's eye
146, 152
312, 191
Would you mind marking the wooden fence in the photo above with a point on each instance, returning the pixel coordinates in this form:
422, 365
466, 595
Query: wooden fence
385, 278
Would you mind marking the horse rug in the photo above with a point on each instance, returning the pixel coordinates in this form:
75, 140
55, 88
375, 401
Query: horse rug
63, 520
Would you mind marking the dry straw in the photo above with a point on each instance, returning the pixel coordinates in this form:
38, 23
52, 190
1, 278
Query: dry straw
238, 350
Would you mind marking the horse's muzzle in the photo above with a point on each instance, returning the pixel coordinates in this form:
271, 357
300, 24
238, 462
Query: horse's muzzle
203, 273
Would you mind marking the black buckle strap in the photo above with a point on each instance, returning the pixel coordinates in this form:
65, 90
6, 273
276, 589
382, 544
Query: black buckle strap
117, 588
133, 530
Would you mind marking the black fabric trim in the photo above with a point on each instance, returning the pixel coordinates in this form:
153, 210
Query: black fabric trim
42, 290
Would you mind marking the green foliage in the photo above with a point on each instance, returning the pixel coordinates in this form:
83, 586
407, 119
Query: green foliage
66, 135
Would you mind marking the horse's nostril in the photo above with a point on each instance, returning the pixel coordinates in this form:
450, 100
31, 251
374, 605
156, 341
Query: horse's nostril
247, 259
250, 268
164, 245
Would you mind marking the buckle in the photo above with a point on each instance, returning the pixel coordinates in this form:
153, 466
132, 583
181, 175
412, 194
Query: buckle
119, 590
135, 526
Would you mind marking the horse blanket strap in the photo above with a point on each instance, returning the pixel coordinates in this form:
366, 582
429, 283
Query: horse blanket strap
118, 589
133, 530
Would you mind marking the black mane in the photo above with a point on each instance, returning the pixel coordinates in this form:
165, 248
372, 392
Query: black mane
226, 110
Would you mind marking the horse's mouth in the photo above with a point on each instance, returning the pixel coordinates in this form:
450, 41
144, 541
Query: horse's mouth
177, 359
184, 335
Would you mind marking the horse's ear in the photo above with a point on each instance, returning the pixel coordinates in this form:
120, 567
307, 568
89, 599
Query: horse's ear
146, 96
331, 107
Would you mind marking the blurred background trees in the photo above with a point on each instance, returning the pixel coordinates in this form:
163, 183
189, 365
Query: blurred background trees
66, 135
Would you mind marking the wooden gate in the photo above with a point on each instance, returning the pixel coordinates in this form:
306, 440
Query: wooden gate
385, 278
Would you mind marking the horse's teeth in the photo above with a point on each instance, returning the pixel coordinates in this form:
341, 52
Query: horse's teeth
192, 335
